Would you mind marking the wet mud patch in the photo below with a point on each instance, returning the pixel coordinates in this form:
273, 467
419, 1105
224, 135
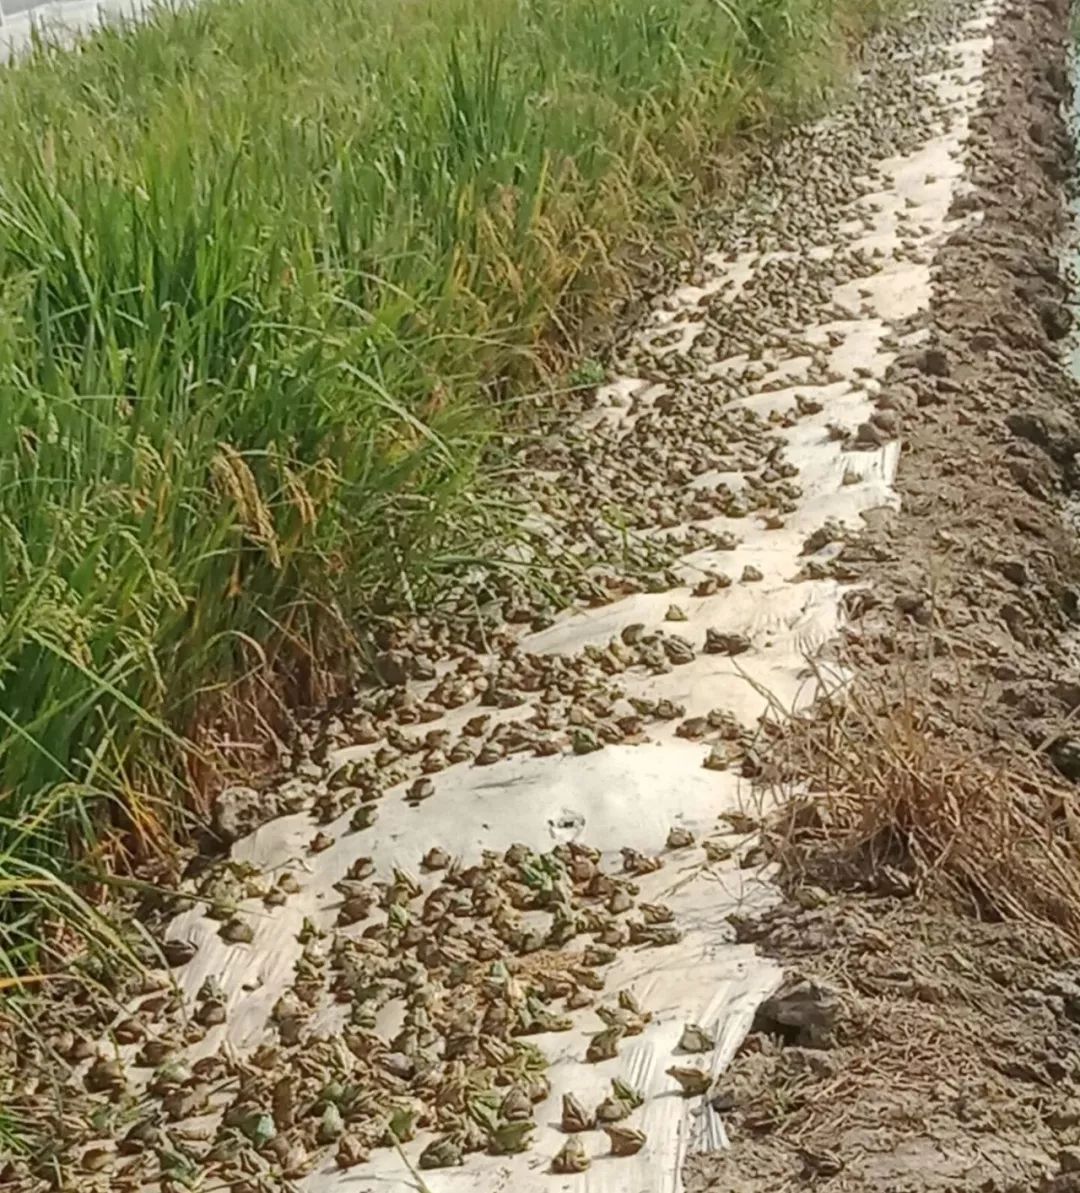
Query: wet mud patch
949, 1059
950, 1063
978, 565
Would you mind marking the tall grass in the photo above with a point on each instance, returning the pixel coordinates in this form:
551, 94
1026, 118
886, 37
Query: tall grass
260, 264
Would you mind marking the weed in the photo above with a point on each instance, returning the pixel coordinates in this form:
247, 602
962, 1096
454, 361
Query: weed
588, 373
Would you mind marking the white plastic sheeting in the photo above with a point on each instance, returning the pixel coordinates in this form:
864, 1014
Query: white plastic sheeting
63, 19
620, 796
631, 795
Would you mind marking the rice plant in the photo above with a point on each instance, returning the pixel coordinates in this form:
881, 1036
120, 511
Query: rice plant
260, 264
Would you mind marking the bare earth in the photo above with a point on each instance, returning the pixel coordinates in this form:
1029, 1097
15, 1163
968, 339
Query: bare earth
952, 1063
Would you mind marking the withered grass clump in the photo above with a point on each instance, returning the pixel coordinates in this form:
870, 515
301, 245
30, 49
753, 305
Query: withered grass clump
897, 799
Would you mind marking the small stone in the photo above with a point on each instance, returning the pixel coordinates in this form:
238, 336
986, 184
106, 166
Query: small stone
1068, 1159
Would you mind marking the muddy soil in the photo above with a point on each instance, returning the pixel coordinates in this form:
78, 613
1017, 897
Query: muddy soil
979, 565
951, 1063
950, 1059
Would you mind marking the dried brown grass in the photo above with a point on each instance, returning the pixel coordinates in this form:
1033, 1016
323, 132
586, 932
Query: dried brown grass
893, 794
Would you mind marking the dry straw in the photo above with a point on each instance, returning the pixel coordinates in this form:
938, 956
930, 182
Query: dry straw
894, 796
